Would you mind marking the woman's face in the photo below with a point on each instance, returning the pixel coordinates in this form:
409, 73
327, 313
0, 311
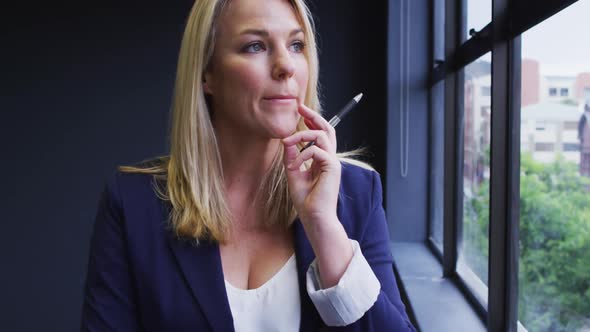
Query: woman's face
258, 73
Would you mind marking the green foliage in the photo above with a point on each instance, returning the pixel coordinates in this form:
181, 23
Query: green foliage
475, 230
554, 269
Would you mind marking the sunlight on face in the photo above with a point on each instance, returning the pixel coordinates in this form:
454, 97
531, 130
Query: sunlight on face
259, 72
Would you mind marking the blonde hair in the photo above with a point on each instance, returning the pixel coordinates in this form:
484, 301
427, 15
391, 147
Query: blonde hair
191, 178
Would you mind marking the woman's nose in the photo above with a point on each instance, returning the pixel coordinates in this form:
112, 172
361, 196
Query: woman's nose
283, 66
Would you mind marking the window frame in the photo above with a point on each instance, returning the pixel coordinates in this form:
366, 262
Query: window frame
501, 37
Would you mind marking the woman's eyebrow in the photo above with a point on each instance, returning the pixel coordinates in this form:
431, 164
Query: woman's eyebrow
265, 33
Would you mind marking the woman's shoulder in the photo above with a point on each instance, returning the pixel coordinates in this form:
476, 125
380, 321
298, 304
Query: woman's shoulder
135, 199
137, 183
360, 187
359, 199
357, 176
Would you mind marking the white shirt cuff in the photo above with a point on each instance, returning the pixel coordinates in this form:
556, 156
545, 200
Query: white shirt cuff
347, 301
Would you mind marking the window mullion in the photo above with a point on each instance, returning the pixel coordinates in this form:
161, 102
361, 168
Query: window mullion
504, 170
455, 20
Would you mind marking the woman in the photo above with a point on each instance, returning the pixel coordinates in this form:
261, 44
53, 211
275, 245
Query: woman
237, 229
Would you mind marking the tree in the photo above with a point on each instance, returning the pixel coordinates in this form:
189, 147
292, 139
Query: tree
554, 269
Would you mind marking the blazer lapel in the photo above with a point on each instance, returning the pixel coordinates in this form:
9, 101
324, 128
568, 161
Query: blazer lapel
304, 255
202, 269
201, 266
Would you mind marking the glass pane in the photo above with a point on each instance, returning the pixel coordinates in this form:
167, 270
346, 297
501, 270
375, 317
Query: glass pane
554, 270
479, 14
476, 170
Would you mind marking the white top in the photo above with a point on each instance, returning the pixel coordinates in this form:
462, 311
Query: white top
276, 306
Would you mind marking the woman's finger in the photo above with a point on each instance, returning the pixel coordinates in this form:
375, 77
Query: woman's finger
313, 152
318, 122
319, 136
309, 124
290, 154
315, 118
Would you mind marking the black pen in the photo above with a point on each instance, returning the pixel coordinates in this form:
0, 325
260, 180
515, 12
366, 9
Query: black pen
334, 121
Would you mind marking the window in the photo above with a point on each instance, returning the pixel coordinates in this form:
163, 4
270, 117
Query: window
564, 92
570, 125
479, 14
569, 147
476, 170
492, 229
543, 147
554, 273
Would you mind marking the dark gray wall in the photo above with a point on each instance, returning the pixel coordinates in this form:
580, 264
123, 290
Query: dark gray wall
408, 68
87, 87
83, 89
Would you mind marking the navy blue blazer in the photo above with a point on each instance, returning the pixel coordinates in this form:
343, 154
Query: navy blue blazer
141, 278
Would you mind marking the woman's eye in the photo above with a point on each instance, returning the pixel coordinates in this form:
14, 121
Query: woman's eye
298, 46
254, 48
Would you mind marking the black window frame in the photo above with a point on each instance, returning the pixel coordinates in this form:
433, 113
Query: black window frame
501, 37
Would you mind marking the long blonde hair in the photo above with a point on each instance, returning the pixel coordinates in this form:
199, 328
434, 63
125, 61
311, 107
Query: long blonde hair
192, 174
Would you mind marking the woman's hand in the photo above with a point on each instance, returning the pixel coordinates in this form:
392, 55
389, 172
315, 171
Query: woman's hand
314, 191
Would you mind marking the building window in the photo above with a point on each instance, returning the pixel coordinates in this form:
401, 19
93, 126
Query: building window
486, 91
571, 147
570, 125
564, 92
544, 147
552, 92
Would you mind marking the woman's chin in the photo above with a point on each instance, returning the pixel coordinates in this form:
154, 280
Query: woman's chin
283, 128
281, 133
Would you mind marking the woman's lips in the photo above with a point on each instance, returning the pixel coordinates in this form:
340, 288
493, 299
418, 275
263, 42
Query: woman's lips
280, 100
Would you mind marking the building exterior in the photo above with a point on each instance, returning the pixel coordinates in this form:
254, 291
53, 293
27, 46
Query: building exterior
539, 87
530, 82
551, 108
582, 87
549, 129
557, 88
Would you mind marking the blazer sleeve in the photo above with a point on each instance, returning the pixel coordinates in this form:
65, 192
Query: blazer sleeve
109, 302
388, 313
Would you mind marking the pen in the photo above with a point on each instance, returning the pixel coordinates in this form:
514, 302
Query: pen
334, 121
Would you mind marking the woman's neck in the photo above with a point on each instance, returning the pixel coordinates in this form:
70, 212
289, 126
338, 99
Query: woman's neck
245, 160
245, 164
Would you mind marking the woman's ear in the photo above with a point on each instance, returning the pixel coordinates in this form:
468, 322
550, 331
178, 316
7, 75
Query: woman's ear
206, 84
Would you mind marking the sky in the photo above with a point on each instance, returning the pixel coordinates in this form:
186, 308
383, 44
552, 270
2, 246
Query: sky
561, 43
